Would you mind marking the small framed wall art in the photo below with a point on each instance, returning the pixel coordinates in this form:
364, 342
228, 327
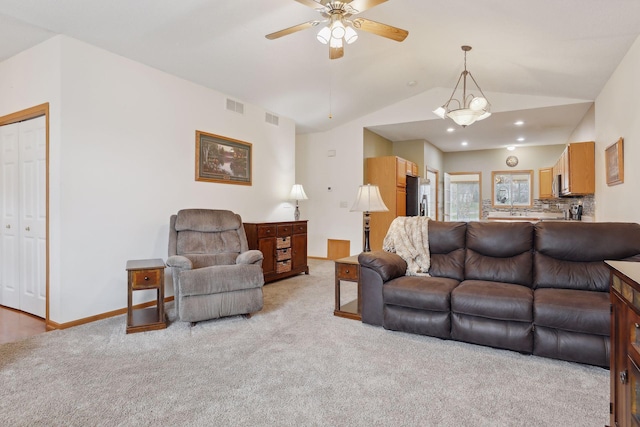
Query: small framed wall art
614, 157
222, 159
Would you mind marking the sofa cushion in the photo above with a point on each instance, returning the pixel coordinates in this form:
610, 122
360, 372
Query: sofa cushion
220, 279
196, 242
447, 249
493, 300
571, 255
424, 293
499, 251
572, 310
207, 220
587, 242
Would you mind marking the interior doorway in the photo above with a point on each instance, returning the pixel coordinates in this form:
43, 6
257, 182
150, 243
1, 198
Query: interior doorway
24, 206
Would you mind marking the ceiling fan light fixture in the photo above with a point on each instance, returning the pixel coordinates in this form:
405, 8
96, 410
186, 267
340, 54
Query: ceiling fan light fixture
335, 43
471, 108
324, 35
350, 35
337, 29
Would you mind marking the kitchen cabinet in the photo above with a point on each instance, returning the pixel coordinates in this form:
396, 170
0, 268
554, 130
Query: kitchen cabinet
576, 169
389, 173
283, 245
545, 182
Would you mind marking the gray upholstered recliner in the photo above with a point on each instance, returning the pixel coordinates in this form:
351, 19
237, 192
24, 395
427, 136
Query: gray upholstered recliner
214, 272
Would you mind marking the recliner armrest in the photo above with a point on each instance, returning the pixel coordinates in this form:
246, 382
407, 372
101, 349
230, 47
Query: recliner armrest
252, 256
388, 265
179, 261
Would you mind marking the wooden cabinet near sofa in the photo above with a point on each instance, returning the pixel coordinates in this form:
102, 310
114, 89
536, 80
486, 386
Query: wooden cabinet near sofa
284, 246
389, 173
625, 343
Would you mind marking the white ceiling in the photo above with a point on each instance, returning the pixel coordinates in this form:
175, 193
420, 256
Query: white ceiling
553, 48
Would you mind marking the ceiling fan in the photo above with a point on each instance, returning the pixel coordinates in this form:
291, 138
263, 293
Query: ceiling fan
341, 28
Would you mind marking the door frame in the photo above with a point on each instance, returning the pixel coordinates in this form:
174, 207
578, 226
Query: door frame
19, 116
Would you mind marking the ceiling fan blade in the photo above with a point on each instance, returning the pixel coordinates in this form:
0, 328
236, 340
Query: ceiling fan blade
291, 30
315, 4
379, 29
362, 5
336, 52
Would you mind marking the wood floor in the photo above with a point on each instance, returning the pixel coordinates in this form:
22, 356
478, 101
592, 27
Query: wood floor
16, 325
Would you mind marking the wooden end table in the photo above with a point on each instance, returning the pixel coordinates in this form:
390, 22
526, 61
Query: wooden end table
146, 274
348, 269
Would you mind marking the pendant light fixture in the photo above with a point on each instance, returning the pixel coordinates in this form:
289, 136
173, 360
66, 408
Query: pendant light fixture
470, 108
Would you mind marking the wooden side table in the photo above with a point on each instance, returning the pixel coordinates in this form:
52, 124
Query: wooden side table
146, 274
348, 269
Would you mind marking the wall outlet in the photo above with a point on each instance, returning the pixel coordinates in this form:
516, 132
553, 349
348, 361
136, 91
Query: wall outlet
344, 204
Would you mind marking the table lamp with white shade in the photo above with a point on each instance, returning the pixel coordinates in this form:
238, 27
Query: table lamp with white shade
368, 200
297, 193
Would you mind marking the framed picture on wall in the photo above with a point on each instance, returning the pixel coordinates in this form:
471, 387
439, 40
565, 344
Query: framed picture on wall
221, 159
614, 157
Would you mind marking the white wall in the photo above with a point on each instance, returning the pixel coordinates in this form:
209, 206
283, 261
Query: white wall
124, 162
617, 115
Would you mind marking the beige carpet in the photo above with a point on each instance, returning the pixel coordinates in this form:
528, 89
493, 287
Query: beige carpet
293, 364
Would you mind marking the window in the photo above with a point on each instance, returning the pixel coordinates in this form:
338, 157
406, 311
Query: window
512, 188
462, 196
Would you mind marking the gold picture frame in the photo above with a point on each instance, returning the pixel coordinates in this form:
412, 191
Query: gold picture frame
223, 160
614, 158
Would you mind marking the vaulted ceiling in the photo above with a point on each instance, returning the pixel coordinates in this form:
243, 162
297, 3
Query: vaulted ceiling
553, 48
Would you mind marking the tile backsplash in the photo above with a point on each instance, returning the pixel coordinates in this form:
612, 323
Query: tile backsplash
557, 205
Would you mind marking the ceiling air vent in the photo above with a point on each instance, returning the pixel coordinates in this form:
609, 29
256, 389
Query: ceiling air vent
272, 119
235, 106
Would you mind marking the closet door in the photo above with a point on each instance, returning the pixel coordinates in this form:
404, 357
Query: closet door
33, 216
10, 227
24, 245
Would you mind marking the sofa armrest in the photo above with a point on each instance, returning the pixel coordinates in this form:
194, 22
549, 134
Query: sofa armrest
179, 261
252, 256
386, 264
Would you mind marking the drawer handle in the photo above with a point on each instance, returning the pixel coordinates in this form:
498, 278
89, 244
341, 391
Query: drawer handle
347, 271
637, 326
146, 277
7, 226
27, 229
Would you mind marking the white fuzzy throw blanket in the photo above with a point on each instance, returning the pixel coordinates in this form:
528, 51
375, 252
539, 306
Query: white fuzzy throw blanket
408, 237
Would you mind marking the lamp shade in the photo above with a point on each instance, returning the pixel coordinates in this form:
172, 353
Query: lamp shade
297, 193
369, 200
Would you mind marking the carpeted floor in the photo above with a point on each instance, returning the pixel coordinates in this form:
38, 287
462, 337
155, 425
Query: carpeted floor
292, 364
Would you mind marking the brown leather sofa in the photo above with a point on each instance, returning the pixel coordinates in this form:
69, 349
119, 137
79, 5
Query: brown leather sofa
534, 288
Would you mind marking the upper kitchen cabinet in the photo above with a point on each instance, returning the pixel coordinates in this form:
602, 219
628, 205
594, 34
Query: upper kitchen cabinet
574, 173
545, 183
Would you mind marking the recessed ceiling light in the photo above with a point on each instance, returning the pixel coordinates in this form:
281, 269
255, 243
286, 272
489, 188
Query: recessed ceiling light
519, 123
465, 143
521, 139
450, 129
511, 148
